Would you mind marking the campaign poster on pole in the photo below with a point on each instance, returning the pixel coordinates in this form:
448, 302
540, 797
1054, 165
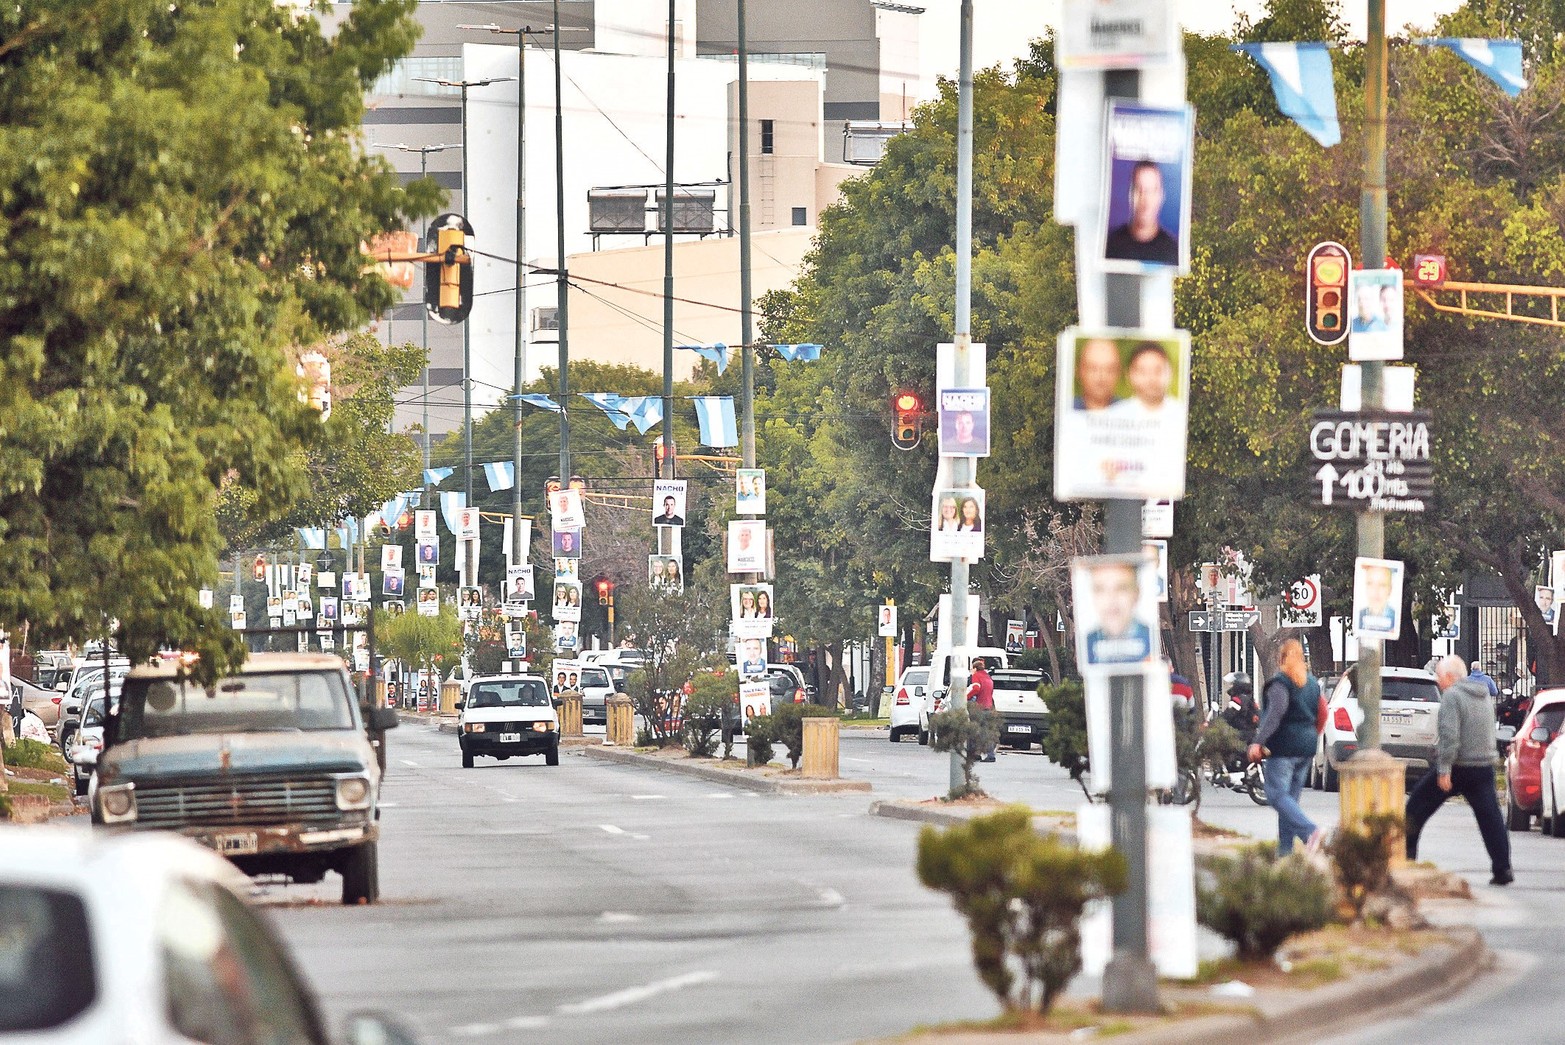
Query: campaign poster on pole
751, 658
519, 583
424, 525
1157, 519
390, 557
1121, 411
428, 553
567, 600
1157, 551
1377, 598
751, 606
567, 544
956, 524
964, 422
391, 582
1375, 314
567, 509
1116, 613
755, 698
428, 603
746, 546
886, 623
467, 520
666, 572
750, 491
1116, 34
1146, 182
566, 639
1015, 640
668, 502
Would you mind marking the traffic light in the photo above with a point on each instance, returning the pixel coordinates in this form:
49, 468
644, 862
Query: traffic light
1326, 299
448, 280
258, 571
604, 587
908, 427
405, 519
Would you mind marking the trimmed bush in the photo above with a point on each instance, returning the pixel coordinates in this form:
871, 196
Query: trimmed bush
1066, 742
1361, 857
1258, 900
1022, 895
972, 733
788, 726
759, 734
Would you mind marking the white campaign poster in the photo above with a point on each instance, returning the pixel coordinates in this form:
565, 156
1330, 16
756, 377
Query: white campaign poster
746, 546
306, 572
236, 603
1121, 408
751, 607
755, 698
1171, 921
886, 622
519, 584
428, 602
668, 502
567, 600
956, 524
1377, 598
1157, 551
964, 422
1116, 613
750, 491
467, 521
1157, 519
567, 509
326, 579
1374, 314
390, 557
424, 525
1146, 185
204, 598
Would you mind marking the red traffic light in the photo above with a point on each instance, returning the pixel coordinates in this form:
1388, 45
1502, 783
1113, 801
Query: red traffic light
604, 588
405, 519
907, 401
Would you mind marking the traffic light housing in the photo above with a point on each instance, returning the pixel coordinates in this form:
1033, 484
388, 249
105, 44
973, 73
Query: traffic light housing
908, 427
258, 571
604, 587
448, 280
1326, 298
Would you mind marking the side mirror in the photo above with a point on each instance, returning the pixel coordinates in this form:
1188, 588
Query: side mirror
61, 687
374, 1029
382, 719
1539, 735
461, 704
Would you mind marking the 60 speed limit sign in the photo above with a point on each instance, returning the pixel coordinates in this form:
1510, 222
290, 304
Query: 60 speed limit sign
1301, 604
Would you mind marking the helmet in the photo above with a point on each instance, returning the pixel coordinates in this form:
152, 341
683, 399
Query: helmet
1238, 680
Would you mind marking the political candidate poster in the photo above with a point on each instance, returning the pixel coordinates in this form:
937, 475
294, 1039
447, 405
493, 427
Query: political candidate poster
1147, 187
886, 622
1377, 598
1374, 314
1115, 600
668, 502
567, 509
956, 525
750, 491
964, 422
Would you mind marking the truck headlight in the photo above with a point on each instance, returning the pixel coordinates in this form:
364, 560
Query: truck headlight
474, 727
540, 727
117, 804
353, 793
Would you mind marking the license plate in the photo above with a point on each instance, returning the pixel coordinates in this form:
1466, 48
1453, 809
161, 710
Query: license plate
1396, 720
510, 738
1018, 729
234, 845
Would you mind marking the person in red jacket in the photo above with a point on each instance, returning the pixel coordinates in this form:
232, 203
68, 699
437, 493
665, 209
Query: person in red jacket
980, 692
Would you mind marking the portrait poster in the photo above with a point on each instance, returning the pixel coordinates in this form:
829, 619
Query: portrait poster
668, 502
306, 608
567, 600
567, 569
390, 557
236, 603
237, 620
567, 510
566, 639
306, 574
352, 613
1015, 636
567, 544
1377, 598
391, 583
424, 525
751, 606
1146, 184
467, 520
469, 604
428, 602
328, 610
1157, 551
426, 576
289, 618
516, 642
964, 422
392, 607
290, 600
886, 622
755, 698
274, 606
750, 491
519, 583
750, 658
746, 546
665, 572
956, 524
1115, 599
327, 642
204, 598
427, 553
1120, 414
1374, 314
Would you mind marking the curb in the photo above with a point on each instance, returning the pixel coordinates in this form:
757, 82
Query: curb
768, 785
902, 809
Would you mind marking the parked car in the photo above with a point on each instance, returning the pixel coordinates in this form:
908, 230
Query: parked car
1409, 724
907, 702
41, 701
145, 938
505, 715
940, 680
87, 678
596, 689
1524, 758
272, 767
1026, 716
1551, 775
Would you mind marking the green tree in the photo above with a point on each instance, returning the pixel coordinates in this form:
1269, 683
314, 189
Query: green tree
184, 191
422, 643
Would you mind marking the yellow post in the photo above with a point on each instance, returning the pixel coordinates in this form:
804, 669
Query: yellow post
821, 739
450, 693
380, 693
622, 722
891, 662
1373, 782
570, 714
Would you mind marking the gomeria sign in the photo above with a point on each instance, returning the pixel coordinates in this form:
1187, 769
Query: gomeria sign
1372, 461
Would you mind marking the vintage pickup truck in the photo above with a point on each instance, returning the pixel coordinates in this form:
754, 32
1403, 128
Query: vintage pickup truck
273, 767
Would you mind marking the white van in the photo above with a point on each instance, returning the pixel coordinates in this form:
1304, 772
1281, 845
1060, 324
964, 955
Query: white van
940, 678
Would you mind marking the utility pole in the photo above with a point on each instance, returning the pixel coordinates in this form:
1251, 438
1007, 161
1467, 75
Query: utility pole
561, 281
667, 216
746, 315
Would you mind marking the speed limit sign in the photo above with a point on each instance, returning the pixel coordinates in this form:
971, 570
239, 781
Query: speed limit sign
1300, 606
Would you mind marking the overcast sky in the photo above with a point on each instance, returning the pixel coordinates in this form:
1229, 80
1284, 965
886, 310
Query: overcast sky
1002, 28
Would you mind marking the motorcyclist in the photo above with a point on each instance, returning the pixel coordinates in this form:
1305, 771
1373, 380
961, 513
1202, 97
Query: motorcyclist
1241, 712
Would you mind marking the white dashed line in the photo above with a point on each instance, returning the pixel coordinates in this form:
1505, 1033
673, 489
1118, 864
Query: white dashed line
646, 798
721, 794
527, 1023
476, 1030
611, 829
410, 762
618, 918
632, 995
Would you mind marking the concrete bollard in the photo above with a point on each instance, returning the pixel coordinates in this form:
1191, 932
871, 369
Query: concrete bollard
570, 714
1373, 782
450, 693
821, 740
621, 730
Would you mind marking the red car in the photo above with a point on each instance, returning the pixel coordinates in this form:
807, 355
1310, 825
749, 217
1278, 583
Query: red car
1523, 778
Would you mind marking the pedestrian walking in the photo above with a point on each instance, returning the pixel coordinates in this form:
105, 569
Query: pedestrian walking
1483, 679
980, 693
1464, 765
1290, 722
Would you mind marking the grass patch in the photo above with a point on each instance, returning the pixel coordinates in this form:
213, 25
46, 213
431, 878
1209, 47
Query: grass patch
53, 792
1061, 1019
33, 754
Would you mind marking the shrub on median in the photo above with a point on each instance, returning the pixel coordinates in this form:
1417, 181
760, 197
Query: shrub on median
1022, 894
1361, 858
759, 733
709, 698
971, 732
1258, 900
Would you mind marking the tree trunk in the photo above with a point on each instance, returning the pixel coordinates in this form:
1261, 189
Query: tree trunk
1321, 661
1182, 650
839, 676
1543, 647
1050, 642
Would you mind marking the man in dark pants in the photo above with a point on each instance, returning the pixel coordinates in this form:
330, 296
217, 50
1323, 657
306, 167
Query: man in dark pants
1286, 739
1464, 765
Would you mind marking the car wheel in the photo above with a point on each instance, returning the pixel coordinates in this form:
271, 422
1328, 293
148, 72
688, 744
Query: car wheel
1516, 818
896, 735
1330, 781
467, 759
923, 736
1556, 826
79, 781
361, 875
552, 756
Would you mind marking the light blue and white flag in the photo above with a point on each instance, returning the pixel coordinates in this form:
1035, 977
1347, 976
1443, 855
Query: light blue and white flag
450, 504
643, 411
717, 353
313, 537
541, 401
1301, 80
342, 538
501, 475
805, 353
1499, 60
715, 415
611, 405
436, 476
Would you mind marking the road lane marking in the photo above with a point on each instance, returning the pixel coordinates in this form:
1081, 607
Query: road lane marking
410, 762
526, 1022
832, 898
632, 995
618, 917
724, 794
646, 798
476, 1030
611, 829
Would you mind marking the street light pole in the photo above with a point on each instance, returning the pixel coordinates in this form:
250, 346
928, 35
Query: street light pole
562, 286
747, 314
668, 258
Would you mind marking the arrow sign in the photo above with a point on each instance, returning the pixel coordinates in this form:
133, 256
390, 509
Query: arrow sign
1240, 620
1328, 481
1200, 621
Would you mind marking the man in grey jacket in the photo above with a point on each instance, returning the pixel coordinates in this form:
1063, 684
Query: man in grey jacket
1464, 764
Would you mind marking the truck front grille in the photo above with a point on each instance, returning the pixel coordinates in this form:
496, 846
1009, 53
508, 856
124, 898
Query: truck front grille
247, 801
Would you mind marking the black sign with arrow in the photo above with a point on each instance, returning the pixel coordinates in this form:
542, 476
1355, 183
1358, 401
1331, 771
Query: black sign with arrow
1372, 460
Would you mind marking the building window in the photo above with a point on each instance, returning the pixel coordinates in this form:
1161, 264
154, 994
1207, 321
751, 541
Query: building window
768, 137
800, 217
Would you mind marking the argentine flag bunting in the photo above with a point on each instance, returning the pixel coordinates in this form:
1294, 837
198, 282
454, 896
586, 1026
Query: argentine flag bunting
612, 405
1499, 60
805, 353
450, 504
1301, 80
541, 401
642, 411
717, 353
436, 476
313, 537
715, 415
501, 475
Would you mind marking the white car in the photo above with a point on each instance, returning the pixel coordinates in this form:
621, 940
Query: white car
1551, 818
144, 938
505, 715
1409, 723
87, 741
907, 704
1024, 713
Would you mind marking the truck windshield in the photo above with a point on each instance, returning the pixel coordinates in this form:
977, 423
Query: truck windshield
528, 693
244, 703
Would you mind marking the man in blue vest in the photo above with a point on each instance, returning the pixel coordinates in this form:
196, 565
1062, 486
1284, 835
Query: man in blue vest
1286, 739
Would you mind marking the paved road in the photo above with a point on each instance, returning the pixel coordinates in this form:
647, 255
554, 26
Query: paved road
596, 902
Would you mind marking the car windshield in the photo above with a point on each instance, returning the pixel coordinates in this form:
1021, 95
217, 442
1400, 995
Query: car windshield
48, 975
259, 701
1027, 680
512, 693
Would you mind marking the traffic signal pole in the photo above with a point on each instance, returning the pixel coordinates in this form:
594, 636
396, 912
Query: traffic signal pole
962, 468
